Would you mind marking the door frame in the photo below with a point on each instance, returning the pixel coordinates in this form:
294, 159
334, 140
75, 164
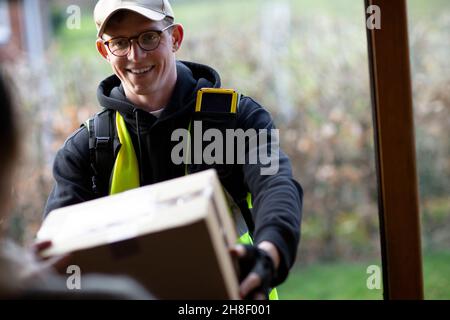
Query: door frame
393, 120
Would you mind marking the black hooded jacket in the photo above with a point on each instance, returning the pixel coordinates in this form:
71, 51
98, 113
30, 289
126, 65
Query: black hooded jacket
277, 199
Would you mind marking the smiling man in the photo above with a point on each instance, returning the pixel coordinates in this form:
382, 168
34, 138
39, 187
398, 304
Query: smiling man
148, 80
128, 145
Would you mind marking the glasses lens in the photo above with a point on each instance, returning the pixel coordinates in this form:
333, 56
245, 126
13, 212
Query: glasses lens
149, 40
119, 46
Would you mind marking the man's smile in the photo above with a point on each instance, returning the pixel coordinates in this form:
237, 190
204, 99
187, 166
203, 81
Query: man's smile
139, 71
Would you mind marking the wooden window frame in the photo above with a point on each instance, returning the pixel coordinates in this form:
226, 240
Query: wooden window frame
390, 75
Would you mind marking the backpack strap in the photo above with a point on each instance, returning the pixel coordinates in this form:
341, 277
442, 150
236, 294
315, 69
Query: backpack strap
103, 146
218, 108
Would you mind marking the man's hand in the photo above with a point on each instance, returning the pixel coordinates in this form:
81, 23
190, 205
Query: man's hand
258, 267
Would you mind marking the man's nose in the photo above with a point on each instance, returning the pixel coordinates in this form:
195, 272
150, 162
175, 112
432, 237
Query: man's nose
136, 51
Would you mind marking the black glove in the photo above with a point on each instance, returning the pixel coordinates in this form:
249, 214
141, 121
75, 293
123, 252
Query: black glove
258, 261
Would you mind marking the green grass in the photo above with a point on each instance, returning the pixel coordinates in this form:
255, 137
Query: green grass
329, 282
348, 280
437, 275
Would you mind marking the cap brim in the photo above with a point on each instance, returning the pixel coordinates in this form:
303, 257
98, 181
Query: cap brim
150, 14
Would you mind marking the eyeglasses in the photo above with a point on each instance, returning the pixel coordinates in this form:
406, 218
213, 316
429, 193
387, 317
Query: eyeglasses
147, 41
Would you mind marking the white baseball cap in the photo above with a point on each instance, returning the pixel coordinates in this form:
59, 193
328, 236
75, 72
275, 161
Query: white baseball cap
155, 10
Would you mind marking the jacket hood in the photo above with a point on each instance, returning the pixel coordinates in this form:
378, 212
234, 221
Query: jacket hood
190, 78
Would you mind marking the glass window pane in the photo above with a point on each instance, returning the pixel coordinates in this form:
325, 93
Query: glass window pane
429, 33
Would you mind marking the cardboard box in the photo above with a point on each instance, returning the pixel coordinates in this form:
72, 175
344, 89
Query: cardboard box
173, 237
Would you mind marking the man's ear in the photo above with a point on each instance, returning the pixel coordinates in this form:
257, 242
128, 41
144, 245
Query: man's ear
101, 48
177, 37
